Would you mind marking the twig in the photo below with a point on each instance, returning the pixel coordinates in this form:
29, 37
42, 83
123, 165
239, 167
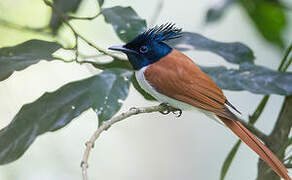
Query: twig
106, 125
66, 19
84, 18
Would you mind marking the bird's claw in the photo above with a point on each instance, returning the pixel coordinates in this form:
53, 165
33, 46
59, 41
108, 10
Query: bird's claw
177, 112
167, 109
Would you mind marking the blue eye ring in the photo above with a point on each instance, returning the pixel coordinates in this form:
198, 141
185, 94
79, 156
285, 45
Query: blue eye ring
143, 49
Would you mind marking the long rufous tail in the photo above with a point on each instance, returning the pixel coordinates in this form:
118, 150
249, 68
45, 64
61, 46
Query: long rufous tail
265, 153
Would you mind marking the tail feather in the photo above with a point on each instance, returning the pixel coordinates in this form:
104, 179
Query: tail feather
265, 154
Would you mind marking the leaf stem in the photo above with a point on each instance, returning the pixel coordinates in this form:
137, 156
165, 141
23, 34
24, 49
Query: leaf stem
253, 118
286, 55
84, 18
287, 64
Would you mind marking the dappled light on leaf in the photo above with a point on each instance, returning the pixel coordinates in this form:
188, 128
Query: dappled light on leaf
125, 21
110, 87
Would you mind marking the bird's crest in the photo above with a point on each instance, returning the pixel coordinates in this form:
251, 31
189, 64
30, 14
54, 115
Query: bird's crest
160, 33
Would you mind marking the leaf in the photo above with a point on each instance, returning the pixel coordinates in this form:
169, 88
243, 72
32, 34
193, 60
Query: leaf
252, 78
50, 112
21, 56
228, 160
100, 2
108, 91
269, 18
217, 10
64, 6
125, 21
115, 63
232, 52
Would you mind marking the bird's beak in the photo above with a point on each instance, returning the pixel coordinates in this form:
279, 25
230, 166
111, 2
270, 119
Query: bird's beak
122, 49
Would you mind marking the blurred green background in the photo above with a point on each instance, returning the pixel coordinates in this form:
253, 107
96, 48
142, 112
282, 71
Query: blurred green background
148, 146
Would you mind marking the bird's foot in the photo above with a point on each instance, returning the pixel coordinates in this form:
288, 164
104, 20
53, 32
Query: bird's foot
168, 109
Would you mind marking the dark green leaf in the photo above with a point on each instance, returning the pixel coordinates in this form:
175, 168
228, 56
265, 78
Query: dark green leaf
252, 78
125, 21
229, 160
141, 91
117, 63
64, 6
55, 110
100, 2
21, 56
217, 11
108, 91
232, 52
269, 18
48, 113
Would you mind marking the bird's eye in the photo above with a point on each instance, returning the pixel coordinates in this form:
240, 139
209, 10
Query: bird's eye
143, 49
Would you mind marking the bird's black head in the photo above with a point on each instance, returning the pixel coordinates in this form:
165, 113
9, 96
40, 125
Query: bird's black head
149, 46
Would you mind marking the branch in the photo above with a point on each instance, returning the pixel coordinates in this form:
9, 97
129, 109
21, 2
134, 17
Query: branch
278, 140
107, 124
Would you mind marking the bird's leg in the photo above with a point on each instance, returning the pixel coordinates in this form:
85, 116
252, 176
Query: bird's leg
167, 109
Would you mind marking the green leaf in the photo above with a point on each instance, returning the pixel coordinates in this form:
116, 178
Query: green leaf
252, 78
50, 112
269, 18
229, 160
108, 91
100, 2
55, 110
232, 52
125, 21
21, 56
64, 6
217, 11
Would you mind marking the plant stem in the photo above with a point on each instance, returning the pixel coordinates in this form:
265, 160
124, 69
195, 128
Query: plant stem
286, 55
277, 139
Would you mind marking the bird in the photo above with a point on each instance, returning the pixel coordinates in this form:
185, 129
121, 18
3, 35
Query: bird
176, 81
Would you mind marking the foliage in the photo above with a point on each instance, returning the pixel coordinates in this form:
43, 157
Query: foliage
268, 16
105, 92
23, 55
